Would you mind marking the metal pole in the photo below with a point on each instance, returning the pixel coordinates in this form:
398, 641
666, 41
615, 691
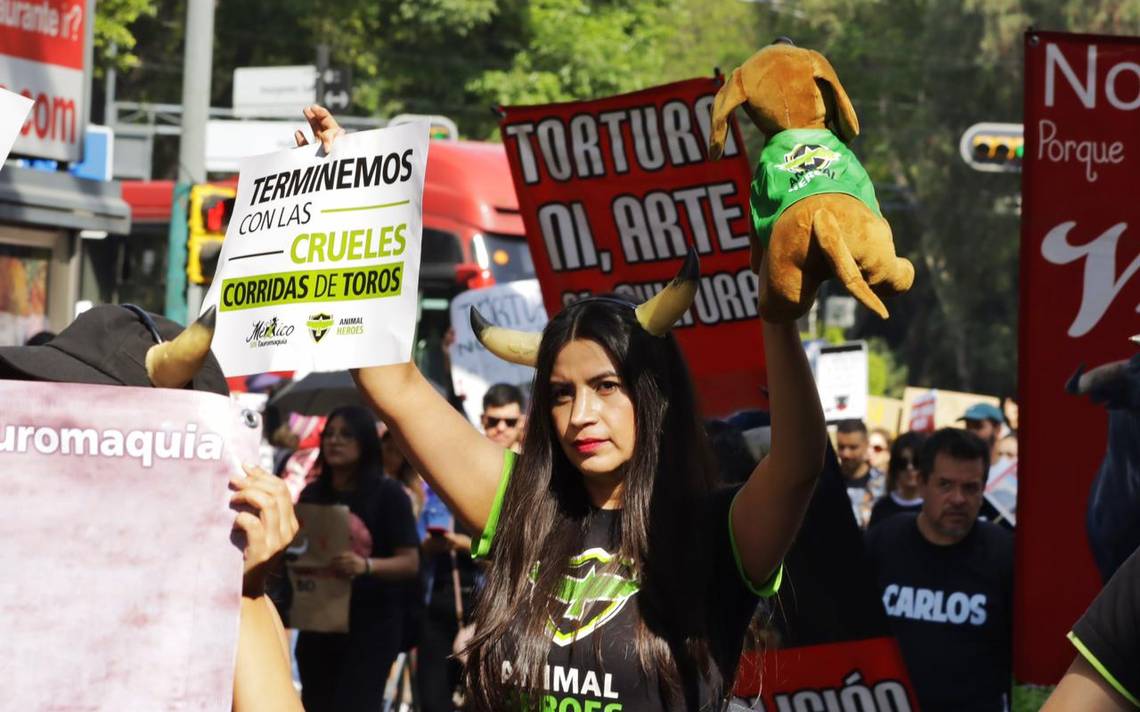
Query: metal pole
197, 65
110, 116
322, 67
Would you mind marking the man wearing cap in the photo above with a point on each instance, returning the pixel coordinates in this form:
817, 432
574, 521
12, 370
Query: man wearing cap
985, 421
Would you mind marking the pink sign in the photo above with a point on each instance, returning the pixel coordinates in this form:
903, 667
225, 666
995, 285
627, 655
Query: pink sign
121, 585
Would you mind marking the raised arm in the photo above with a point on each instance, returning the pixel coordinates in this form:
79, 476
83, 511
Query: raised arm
459, 463
770, 506
263, 680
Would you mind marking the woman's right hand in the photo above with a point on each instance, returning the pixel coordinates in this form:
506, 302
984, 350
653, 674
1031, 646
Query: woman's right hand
324, 126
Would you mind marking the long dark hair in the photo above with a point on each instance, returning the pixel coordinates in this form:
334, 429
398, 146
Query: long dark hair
362, 424
907, 441
546, 513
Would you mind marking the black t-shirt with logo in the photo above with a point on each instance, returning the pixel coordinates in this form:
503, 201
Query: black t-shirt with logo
607, 606
1108, 634
950, 608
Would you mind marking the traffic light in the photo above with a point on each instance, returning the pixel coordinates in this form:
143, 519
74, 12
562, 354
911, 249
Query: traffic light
210, 209
993, 147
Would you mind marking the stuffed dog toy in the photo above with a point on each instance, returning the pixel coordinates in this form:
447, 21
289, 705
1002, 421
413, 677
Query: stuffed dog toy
814, 211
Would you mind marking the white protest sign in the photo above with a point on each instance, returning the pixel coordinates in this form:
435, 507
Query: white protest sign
13, 111
841, 378
121, 586
513, 305
319, 270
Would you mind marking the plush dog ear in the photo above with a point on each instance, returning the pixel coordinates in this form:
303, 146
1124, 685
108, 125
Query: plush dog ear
730, 96
846, 120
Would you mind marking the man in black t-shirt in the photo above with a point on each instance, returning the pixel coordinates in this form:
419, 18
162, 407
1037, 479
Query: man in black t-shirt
1105, 676
946, 580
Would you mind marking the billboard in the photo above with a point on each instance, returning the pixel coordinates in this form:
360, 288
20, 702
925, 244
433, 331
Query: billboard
1080, 254
45, 54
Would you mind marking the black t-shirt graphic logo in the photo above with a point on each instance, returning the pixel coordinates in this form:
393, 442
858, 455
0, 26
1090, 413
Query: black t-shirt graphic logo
591, 597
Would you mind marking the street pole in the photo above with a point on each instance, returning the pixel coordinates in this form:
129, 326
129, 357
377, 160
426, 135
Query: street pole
322, 67
184, 301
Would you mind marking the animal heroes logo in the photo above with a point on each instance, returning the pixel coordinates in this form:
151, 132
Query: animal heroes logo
807, 161
592, 597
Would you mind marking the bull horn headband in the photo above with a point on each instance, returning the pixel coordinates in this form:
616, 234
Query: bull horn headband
172, 364
656, 315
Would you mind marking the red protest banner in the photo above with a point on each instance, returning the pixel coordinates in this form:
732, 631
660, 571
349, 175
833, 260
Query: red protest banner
860, 674
1079, 296
612, 193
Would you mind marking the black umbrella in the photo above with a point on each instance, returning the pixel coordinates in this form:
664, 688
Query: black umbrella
317, 394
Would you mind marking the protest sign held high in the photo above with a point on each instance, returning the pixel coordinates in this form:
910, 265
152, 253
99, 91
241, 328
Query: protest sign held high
320, 267
613, 192
121, 585
1079, 295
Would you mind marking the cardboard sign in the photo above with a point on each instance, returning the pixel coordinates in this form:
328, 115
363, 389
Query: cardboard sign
613, 192
514, 305
121, 584
319, 270
321, 596
13, 110
45, 55
1080, 288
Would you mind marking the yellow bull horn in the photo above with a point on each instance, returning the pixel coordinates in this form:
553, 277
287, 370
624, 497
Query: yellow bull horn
172, 364
657, 315
512, 345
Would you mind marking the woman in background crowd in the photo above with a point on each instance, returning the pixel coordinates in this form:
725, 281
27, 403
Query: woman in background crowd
346, 672
879, 449
902, 479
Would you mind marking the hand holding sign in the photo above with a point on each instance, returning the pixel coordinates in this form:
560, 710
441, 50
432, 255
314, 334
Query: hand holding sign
266, 519
320, 267
324, 126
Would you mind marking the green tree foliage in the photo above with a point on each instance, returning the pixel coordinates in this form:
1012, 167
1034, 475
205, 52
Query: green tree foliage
918, 71
114, 40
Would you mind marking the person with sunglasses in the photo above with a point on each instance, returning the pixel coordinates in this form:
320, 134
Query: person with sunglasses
902, 479
879, 449
503, 419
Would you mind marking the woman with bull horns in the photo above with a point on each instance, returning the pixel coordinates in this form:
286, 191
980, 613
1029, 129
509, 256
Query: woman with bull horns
621, 577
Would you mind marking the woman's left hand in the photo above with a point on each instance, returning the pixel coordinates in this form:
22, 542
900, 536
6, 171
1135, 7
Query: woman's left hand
350, 564
265, 516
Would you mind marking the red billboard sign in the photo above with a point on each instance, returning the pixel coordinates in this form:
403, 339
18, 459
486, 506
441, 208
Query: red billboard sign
614, 191
45, 50
1080, 255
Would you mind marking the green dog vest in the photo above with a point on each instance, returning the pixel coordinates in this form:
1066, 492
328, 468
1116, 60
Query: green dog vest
800, 162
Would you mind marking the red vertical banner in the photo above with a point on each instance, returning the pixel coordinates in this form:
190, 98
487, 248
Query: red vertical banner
1080, 290
612, 193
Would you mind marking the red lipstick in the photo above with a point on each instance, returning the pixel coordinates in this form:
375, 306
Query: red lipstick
588, 445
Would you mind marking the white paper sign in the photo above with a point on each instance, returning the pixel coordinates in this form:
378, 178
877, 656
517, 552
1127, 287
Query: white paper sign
841, 377
319, 270
514, 305
13, 111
